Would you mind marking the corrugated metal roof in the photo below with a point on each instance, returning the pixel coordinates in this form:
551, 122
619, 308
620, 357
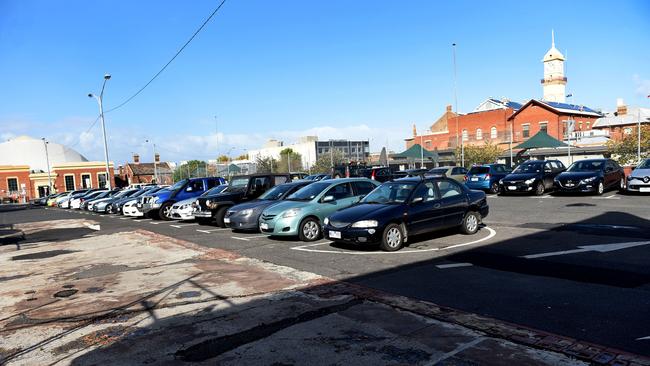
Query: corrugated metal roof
631, 118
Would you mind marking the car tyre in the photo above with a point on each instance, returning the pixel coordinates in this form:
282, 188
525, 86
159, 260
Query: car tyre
309, 229
392, 238
164, 213
494, 188
218, 217
621, 185
600, 189
470, 223
539, 189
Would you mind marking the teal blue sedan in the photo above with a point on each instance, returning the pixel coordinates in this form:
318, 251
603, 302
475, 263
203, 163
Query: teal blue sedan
302, 213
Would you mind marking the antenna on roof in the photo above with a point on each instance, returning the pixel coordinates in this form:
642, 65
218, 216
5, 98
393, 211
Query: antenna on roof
552, 38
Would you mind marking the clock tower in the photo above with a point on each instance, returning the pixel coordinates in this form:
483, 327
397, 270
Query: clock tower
554, 81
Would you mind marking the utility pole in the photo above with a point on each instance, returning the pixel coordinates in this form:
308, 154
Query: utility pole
462, 150
49, 174
638, 147
101, 114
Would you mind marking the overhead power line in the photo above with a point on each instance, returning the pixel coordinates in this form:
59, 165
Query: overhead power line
171, 60
88, 130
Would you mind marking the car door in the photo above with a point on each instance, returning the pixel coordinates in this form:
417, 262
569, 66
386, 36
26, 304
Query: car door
424, 210
453, 201
611, 174
343, 197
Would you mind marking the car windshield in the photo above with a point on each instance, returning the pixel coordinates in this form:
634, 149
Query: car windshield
586, 166
438, 171
103, 194
276, 192
479, 170
308, 193
237, 184
390, 193
311, 177
178, 185
644, 164
215, 190
528, 168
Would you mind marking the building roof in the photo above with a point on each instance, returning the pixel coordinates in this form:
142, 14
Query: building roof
553, 53
493, 103
25, 150
560, 108
630, 118
148, 168
416, 152
540, 140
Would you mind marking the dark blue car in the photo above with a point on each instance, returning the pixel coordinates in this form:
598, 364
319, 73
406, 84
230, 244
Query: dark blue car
486, 177
159, 204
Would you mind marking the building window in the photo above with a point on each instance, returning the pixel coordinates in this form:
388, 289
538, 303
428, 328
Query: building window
85, 181
465, 135
543, 126
479, 134
588, 125
427, 144
69, 182
12, 184
627, 131
525, 131
101, 178
580, 126
493, 132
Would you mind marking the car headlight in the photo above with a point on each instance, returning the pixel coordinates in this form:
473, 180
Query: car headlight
291, 212
589, 180
326, 221
184, 206
365, 224
246, 212
529, 181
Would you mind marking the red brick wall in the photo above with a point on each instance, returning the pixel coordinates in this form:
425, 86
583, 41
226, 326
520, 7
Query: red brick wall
534, 114
23, 178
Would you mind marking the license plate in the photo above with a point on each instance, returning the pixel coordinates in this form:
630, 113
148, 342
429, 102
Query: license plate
512, 188
570, 184
264, 226
644, 189
226, 220
335, 234
474, 179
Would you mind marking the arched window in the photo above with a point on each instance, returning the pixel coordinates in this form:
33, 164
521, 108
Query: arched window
493, 132
465, 136
479, 134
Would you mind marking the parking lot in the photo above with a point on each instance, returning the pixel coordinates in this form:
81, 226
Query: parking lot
575, 266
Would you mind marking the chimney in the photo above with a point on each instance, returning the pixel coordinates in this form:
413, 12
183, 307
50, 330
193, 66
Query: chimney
156, 157
448, 108
136, 158
415, 131
621, 108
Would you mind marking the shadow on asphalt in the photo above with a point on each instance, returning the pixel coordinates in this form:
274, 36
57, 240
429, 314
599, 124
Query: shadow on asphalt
581, 295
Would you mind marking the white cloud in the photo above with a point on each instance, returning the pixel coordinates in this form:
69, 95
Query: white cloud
642, 86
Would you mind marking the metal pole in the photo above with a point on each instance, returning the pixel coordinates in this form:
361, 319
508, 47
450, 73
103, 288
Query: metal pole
101, 115
49, 174
455, 92
511, 133
421, 153
155, 164
638, 148
289, 161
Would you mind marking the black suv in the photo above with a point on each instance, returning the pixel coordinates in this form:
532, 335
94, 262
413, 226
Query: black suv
242, 188
532, 176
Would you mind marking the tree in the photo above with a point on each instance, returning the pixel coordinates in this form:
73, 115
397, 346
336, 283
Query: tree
242, 157
266, 165
488, 153
287, 155
324, 163
625, 150
192, 168
223, 159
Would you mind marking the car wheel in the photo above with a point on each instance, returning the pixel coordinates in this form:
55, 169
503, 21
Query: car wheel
621, 185
218, 217
309, 230
470, 223
109, 209
601, 188
539, 189
165, 212
494, 188
392, 239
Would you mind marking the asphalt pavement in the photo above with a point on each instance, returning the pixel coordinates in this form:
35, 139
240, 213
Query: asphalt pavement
575, 266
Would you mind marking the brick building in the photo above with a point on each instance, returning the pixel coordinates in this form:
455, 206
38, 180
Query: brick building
624, 121
137, 172
24, 169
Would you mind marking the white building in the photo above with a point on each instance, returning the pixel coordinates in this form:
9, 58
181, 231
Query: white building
305, 146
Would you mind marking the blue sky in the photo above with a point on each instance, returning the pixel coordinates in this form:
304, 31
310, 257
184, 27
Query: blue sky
283, 69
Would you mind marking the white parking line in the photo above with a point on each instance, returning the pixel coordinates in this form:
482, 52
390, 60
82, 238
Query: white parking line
212, 230
183, 225
544, 196
250, 237
307, 248
454, 265
122, 218
155, 223
611, 197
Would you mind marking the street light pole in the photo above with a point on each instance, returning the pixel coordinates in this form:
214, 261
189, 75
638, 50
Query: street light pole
101, 114
638, 147
49, 174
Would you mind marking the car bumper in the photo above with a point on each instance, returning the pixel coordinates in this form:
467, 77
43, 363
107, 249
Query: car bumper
132, 211
182, 214
203, 214
150, 207
242, 222
280, 226
353, 235
638, 186
578, 188
481, 184
515, 187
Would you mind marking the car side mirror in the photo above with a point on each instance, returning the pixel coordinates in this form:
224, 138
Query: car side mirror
328, 199
417, 200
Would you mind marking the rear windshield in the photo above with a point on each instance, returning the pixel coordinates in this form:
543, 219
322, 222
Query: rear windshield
479, 170
438, 171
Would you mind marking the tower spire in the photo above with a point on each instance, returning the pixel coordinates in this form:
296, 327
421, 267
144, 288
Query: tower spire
552, 38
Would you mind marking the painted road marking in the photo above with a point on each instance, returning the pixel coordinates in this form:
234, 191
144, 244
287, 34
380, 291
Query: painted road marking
453, 265
123, 218
643, 338
612, 197
544, 196
182, 225
155, 223
250, 237
308, 248
602, 248
212, 230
